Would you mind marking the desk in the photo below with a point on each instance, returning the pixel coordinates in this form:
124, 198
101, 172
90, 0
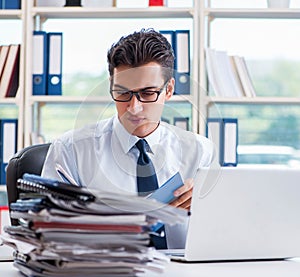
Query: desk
290, 268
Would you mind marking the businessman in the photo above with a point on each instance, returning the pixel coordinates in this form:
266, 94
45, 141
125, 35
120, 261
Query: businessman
134, 152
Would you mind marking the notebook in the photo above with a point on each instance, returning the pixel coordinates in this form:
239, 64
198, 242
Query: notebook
243, 214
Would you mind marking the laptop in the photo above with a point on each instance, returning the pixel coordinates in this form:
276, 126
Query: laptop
243, 214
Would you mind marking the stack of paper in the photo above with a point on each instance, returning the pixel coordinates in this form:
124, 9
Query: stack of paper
68, 231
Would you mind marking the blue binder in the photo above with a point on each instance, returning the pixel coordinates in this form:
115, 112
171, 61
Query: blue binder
8, 144
40, 59
182, 62
54, 78
170, 36
224, 133
10, 4
180, 41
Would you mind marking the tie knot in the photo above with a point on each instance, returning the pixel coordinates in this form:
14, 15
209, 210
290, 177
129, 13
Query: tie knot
141, 145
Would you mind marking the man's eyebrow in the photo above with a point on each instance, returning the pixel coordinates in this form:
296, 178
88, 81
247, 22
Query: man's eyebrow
120, 86
125, 88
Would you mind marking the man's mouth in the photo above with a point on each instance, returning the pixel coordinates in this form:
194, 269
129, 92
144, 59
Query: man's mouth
136, 120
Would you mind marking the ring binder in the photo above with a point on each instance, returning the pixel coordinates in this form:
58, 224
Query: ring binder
37, 184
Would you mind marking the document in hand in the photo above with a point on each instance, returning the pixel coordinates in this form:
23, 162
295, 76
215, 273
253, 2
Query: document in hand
69, 231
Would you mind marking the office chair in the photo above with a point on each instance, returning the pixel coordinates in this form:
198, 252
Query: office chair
28, 160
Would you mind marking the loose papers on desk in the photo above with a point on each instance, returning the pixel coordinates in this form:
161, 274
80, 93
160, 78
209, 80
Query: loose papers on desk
69, 231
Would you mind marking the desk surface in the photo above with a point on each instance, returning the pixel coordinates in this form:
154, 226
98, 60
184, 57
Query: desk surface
290, 268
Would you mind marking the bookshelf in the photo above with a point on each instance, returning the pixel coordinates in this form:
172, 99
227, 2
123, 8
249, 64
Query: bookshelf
207, 15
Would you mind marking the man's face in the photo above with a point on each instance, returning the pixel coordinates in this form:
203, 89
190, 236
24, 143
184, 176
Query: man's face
141, 119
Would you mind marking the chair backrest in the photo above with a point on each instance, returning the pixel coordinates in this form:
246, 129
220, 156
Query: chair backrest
28, 160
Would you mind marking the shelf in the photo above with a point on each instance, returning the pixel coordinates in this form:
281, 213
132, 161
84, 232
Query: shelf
253, 13
254, 100
99, 13
10, 14
9, 100
91, 99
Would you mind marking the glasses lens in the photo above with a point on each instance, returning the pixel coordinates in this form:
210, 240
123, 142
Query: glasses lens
148, 96
121, 95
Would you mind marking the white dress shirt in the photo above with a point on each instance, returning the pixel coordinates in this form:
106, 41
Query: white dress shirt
103, 156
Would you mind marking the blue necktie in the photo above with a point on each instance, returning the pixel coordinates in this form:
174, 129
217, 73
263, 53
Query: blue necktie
147, 183
145, 171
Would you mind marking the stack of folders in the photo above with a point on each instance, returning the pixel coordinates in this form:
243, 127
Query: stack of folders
69, 231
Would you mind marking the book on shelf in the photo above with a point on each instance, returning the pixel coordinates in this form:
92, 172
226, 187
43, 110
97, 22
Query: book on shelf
9, 82
228, 76
3, 56
244, 76
231, 86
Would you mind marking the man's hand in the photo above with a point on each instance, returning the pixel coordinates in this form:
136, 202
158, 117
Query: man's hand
184, 195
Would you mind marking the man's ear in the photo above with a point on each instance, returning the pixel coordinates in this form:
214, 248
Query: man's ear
170, 88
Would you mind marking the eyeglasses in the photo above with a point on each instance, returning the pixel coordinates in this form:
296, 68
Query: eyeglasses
143, 95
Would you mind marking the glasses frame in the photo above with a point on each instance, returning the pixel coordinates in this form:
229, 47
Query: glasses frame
136, 94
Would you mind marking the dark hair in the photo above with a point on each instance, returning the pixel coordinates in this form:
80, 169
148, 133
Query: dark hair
140, 48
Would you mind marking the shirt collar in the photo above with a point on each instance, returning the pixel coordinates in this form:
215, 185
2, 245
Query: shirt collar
127, 141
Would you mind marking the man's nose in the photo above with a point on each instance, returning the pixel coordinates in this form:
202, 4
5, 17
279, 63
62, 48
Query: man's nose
134, 106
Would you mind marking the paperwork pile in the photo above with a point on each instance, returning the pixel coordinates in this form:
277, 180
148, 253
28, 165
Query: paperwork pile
68, 231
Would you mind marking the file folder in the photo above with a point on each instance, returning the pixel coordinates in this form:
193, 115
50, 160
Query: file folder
169, 35
54, 78
39, 65
182, 62
182, 122
8, 144
224, 134
10, 4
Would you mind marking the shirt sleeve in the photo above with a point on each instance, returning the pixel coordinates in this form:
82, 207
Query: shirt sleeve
60, 163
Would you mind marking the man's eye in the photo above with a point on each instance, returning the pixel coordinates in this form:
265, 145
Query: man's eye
147, 93
123, 93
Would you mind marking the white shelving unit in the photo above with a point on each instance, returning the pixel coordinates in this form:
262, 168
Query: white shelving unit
207, 16
18, 101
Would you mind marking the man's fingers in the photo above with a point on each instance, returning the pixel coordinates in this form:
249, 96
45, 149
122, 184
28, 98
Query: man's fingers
188, 184
184, 200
